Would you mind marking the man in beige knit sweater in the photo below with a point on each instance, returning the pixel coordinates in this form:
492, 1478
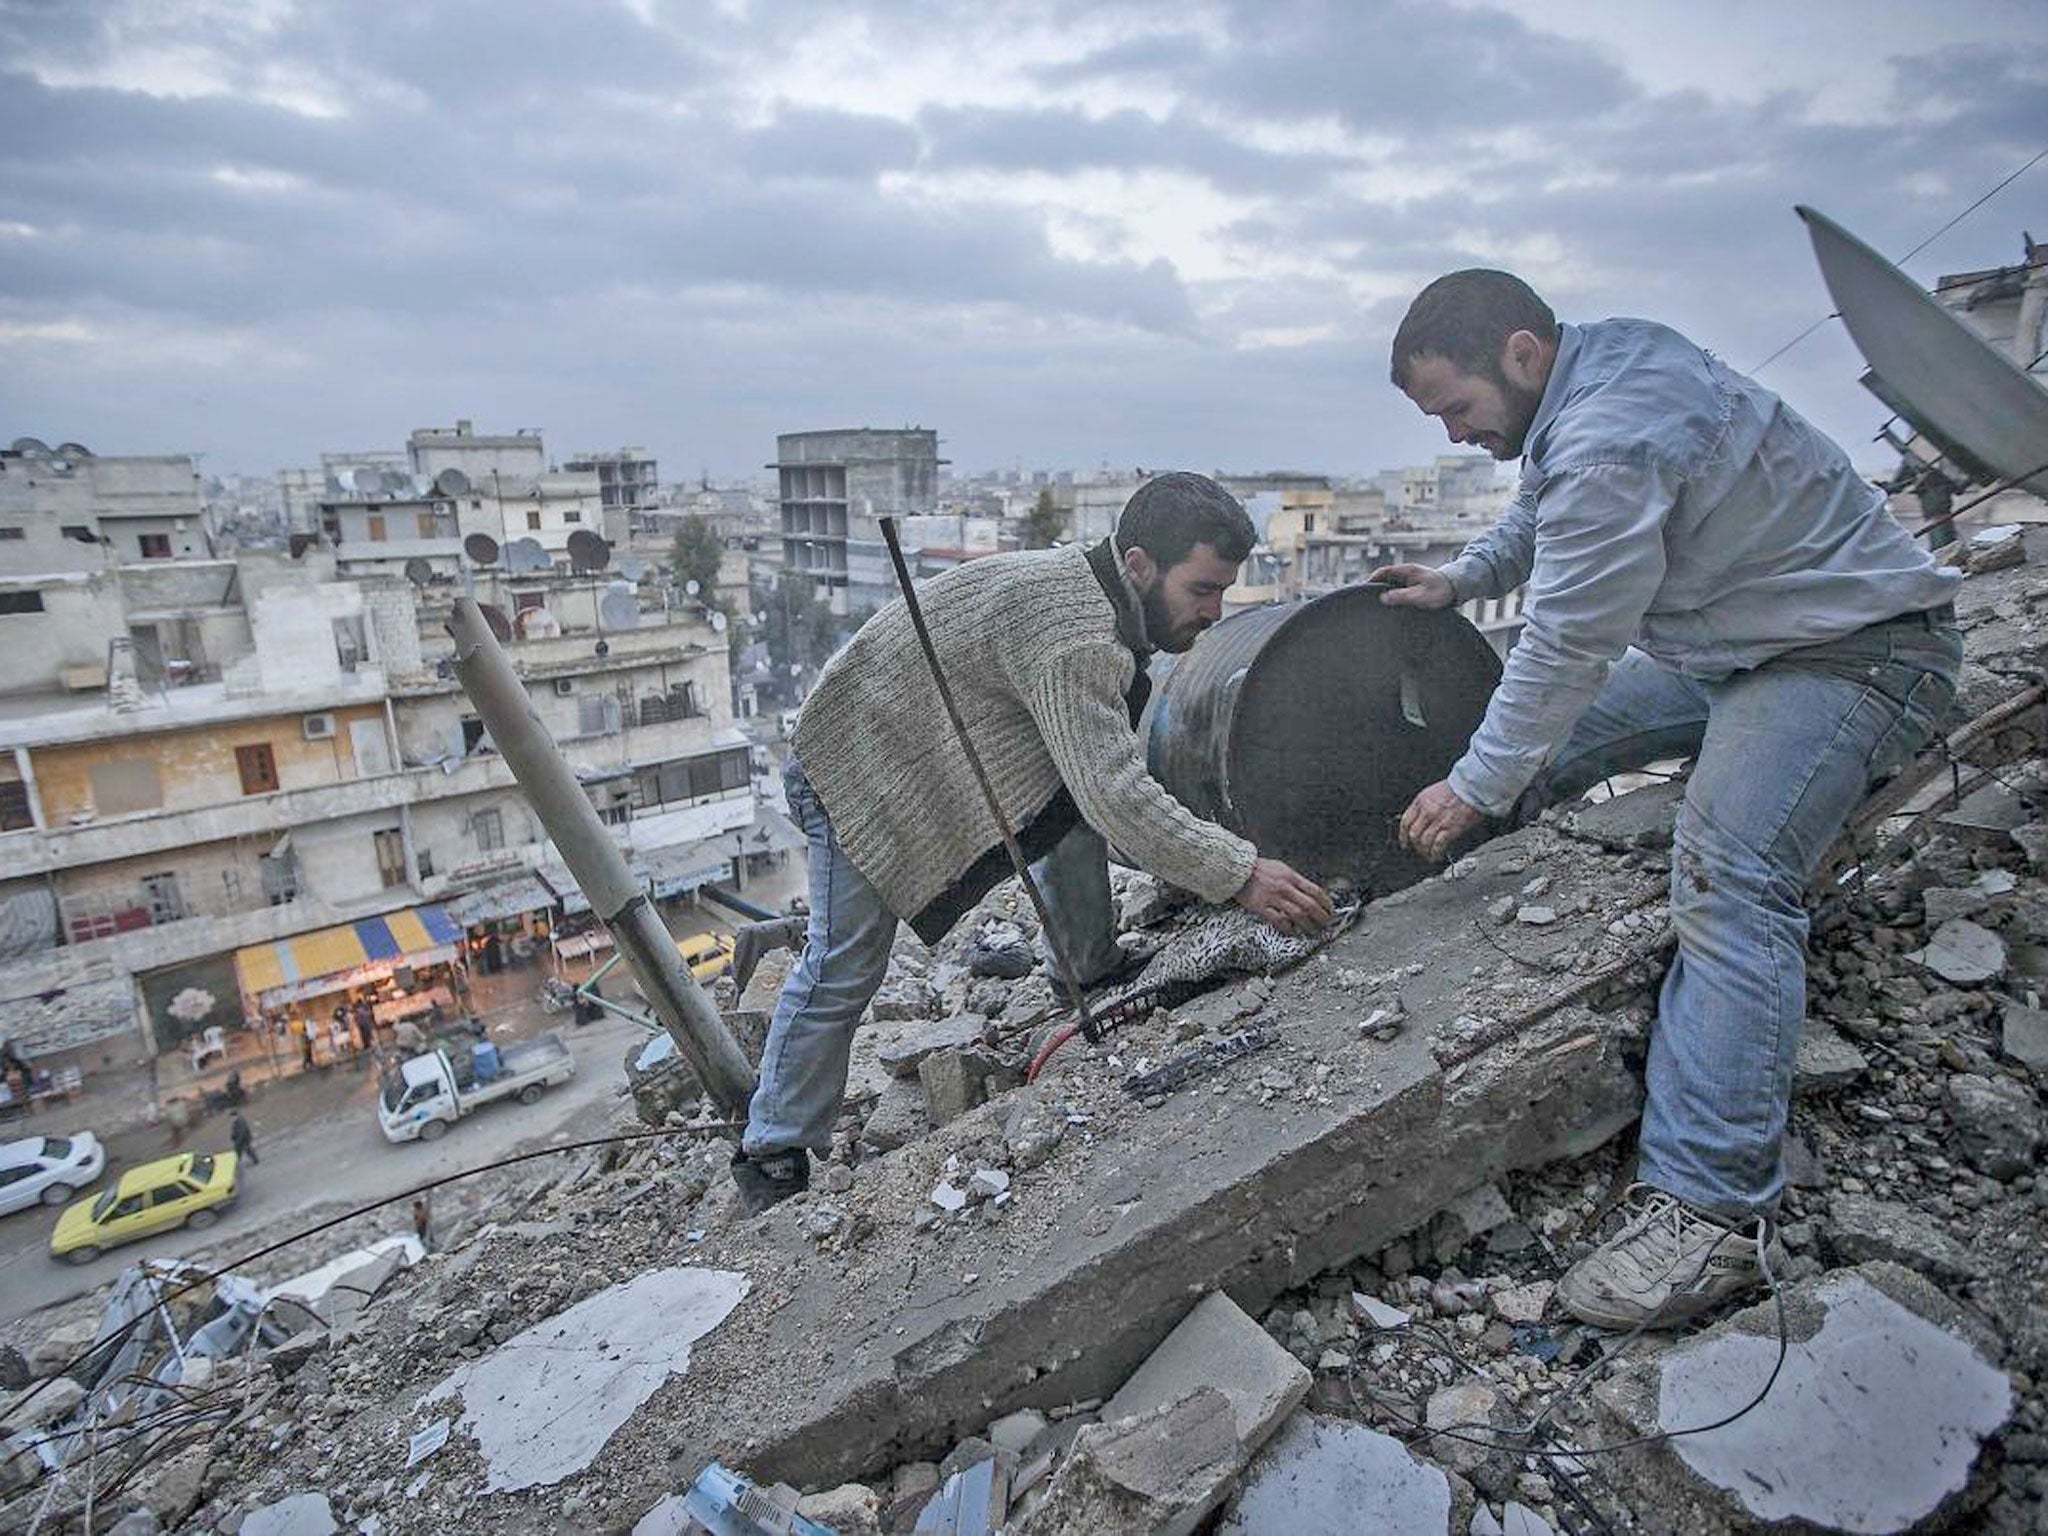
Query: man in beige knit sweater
1045, 652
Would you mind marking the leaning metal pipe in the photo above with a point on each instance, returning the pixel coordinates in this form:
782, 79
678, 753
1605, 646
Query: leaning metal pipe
600, 869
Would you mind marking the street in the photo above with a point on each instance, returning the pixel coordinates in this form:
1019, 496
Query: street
320, 1152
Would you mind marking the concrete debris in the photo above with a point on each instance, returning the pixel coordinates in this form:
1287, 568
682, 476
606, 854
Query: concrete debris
1334, 1477
1520, 1520
1876, 1421
1376, 1313
1017, 1433
1218, 1344
1963, 953
1536, 915
2023, 1036
955, 1081
1159, 1474
949, 1198
851, 1509
971, 1502
303, 1514
1998, 1123
902, 1053
899, 1116
987, 1184
542, 1405
905, 997
1862, 1229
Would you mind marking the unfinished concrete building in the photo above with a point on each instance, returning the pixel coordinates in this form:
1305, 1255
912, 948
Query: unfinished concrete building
833, 487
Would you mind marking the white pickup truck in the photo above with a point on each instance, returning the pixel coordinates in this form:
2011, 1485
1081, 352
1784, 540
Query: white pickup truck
425, 1094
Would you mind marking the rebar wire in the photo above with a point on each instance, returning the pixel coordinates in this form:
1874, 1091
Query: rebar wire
1951, 224
207, 1277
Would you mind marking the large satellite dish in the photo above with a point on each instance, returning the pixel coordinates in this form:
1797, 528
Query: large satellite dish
481, 548
718, 621
632, 567
495, 617
527, 557
692, 587
31, 447
619, 608
1968, 399
418, 571
452, 482
395, 481
588, 552
366, 481
74, 450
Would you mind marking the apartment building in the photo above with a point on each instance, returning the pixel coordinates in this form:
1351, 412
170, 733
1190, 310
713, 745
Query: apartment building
833, 488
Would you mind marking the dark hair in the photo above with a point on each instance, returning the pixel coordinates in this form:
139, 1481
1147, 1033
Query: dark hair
1466, 318
1170, 514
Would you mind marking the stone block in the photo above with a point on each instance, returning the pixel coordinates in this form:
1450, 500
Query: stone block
1876, 1421
2023, 1035
41, 1405
1860, 1229
1216, 1344
1333, 1477
954, 1082
901, 1054
907, 997
1158, 1474
1825, 1061
1962, 952
1998, 1123
899, 1116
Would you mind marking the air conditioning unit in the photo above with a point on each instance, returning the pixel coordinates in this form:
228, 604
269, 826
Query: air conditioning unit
564, 686
318, 727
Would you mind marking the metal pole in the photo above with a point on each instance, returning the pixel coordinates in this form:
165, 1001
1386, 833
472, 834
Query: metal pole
1052, 939
600, 869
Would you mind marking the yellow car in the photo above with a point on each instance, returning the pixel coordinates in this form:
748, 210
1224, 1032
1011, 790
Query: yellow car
189, 1190
708, 955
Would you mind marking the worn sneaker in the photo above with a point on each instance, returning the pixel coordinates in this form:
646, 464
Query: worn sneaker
767, 1178
1668, 1264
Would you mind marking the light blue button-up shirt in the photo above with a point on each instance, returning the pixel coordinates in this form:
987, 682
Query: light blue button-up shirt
1669, 502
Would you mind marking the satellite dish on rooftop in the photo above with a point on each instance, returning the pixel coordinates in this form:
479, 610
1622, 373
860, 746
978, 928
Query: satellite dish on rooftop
481, 548
74, 450
452, 482
495, 617
633, 568
396, 481
718, 621
1971, 401
588, 552
619, 608
366, 481
418, 571
31, 447
692, 587
527, 557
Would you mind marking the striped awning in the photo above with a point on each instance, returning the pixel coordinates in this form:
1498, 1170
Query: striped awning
265, 967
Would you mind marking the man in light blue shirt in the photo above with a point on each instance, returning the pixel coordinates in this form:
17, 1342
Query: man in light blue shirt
1707, 575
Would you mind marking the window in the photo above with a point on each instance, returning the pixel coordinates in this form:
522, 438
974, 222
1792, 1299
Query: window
572, 517
79, 532
258, 767
21, 602
160, 891
154, 546
489, 830
390, 856
14, 809
124, 786
522, 602
168, 1194
11, 531
373, 526
533, 519
426, 525
426, 863
16, 1174
132, 1206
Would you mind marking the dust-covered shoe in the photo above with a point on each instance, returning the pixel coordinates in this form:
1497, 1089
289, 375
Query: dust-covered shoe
1668, 1264
768, 1178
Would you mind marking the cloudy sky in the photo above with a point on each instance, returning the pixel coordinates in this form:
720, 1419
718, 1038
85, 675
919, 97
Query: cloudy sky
1062, 234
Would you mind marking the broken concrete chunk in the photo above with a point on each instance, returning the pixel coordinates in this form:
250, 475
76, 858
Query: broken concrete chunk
1370, 1309
1860, 1229
2023, 1035
1033, 1131
55, 1399
1523, 1303
1520, 1520
852, 1509
1825, 1061
1536, 915
1998, 1123
1159, 1474
1332, 1477
905, 997
970, 1502
900, 1054
1875, 1422
1218, 1344
949, 1197
987, 1183
954, 1082
1477, 1413
1963, 953
1016, 1432
303, 1514
899, 1116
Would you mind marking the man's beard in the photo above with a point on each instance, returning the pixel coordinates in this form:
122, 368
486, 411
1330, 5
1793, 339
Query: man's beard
1522, 406
1159, 622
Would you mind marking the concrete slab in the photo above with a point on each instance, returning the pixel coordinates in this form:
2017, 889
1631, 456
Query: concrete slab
1217, 1345
2023, 1035
1334, 1477
1875, 1423
1160, 1474
543, 1404
1826, 1061
302, 1514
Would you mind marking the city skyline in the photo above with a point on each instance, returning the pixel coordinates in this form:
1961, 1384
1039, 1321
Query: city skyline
1062, 236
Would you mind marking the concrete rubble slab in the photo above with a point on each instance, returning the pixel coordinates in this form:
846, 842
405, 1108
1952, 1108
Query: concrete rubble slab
303, 1514
1963, 952
1875, 1423
1826, 1060
544, 1403
1217, 1345
1334, 1477
1159, 1474
2023, 1035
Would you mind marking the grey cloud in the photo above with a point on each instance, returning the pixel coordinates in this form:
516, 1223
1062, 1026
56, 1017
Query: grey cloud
1065, 140
838, 146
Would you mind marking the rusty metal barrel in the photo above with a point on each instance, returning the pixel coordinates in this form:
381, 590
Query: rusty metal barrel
1308, 727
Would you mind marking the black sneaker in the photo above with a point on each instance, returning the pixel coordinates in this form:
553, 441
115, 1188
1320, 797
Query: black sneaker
768, 1178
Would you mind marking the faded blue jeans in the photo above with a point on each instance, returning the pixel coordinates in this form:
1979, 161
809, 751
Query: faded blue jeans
846, 953
1783, 754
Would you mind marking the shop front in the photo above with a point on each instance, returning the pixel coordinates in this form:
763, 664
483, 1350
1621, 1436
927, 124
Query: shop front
338, 992
504, 925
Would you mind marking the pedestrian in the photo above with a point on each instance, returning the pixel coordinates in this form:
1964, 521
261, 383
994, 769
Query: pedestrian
1045, 652
1705, 571
366, 1025
177, 1120
243, 1139
423, 1222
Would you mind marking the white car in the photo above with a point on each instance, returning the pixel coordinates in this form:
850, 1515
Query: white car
50, 1169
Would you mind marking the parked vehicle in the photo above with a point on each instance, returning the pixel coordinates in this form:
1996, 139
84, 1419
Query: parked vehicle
49, 1169
708, 955
424, 1095
189, 1190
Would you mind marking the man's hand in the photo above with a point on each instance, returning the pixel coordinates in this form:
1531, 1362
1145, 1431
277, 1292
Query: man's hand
1415, 586
1290, 902
1435, 820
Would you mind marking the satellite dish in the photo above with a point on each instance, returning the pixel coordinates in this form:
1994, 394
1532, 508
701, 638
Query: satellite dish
495, 617
619, 609
1971, 401
588, 552
31, 448
422, 487
692, 587
718, 621
481, 548
74, 450
418, 571
396, 481
527, 556
452, 482
633, 568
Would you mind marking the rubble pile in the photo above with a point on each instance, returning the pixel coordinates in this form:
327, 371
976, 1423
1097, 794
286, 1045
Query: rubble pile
1021, 1305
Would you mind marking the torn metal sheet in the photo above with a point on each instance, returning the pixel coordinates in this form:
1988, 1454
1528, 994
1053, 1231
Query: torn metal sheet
1199, 1062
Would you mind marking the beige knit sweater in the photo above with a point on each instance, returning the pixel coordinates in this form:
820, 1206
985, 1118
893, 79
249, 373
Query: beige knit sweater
1029, 643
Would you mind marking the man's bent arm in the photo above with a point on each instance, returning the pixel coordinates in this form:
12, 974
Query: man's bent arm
1498, 561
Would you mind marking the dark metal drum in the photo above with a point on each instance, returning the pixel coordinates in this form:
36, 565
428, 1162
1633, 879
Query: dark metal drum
1308, 727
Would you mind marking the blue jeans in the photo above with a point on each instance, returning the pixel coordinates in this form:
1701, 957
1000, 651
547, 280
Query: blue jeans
846, 954
1783, 755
